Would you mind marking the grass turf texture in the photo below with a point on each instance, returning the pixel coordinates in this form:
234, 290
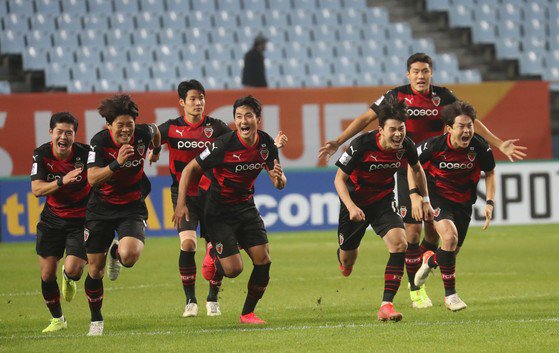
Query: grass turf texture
506, 275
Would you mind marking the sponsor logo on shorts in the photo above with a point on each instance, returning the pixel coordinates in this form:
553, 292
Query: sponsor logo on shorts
219, 248
85, 234
403, 211
341, 238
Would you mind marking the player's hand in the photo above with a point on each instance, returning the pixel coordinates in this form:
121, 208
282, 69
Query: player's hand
152, 157
488, 211
281, 140
126, 151
428, 212
513, 151
356, 214
328, 150
181, 212
278, 174
72, 176
416, 206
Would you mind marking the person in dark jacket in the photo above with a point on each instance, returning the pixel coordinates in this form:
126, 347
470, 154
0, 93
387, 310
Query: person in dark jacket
254, 73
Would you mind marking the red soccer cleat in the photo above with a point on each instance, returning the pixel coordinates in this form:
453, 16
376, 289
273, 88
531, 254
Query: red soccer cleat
208, 266
387, 312
252, 319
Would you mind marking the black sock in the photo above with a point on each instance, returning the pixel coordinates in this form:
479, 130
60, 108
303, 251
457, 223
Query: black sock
187, 269
51, 294
94, 293
447, 265
257, 284
425, 246
413, 262
393, 275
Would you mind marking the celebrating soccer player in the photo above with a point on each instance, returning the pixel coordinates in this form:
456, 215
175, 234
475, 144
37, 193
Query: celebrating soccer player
116, 173
232, 220
425, 102
59, 173
365, 184
454, 162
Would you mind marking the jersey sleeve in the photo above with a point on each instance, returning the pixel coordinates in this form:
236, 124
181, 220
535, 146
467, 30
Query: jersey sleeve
147, 129
95, 157
213, 154
351, 157
387, 96
424, 151
38, 171
164, 131
486, 158
411, 151
274, 154
221, 128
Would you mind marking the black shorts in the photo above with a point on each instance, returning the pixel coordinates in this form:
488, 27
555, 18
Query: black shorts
52, 241
232, 226
458, 214
404, 201
195, 205
99, 234
381, 215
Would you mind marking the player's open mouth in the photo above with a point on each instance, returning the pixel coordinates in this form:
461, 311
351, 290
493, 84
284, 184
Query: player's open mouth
465, 138
62, 145
245, 128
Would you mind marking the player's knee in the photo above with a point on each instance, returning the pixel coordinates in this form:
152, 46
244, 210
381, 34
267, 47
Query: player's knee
451, 241
48, 275
95, 272
129, 258
233, 271
400, 246
188, 245
73, 271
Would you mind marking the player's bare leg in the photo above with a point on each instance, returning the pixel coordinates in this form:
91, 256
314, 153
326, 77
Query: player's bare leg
396, 244
94, 291
187, 269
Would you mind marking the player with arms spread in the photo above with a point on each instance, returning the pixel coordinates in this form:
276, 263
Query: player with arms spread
232, 220
59, 173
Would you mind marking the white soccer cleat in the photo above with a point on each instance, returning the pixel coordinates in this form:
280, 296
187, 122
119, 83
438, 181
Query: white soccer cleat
96, 328
423, 273
114, 265
190, 310
454, 303
212, 309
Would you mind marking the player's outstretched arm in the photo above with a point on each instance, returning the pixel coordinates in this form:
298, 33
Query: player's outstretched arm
355, 213
41, 188
357, 125
490, 186
281, 140
508, 148
192, 170
279, 180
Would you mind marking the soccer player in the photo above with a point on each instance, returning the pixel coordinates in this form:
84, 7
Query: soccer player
454, 162
59, 173
116, 173
365, 184
186, 137
425, 102
232, 220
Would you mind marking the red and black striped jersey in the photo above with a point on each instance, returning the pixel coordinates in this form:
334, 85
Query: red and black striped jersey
186, 141
68, 201
371, 168
424, 110
128, 184
453, 174
236, 165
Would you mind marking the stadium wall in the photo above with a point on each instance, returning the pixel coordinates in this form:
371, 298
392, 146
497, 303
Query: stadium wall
310, 202
308, 116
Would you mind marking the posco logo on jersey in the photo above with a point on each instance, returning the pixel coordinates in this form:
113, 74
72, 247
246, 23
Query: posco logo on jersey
247, 166
192, 144
378, 166
449, 165
134, 163
422, 112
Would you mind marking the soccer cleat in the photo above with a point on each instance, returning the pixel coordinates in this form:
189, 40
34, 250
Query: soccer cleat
251, 319
96, 328
69, 287
190, 310
114, 264
212, 309
387, 313
346, 271
425, 297
424, 271
454, 303
56, 324
208, 266
419, 298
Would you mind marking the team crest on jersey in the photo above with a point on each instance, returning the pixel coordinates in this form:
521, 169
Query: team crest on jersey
437, 212
219, 248
436, 100
85, 234
208, 131
264, 152
403, 211
141, 149
400, 154
472, 156
341, 238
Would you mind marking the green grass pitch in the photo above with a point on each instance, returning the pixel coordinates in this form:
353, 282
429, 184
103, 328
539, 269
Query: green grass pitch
508, 276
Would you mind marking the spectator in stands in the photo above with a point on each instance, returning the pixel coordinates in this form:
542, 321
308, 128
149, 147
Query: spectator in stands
254, 74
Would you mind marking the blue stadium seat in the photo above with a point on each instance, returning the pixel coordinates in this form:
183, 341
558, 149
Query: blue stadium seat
144, 38
375, 32
368, 79
282, 5
423, 45
38, 40
86, 74
307, 5
11, 42
103, 7
65, 39
352, 17
509, 12
314, 80
320, 67
469, 76
34, 59
133, 85
324, 34
399, 30
117, 55
178, 6
57, 75
202, 5
377, 15
21, 7
273, 51
532, 63
345, 65
199, 19
536, 44
95, 22
255, 5
461, 16
223, 35
194, 53
347, 48
167, 54
399, 47
321, 49
118, 37
294, 67
273, 68
88, 55
16, 23
227, 19
290, 81
173, 20
534, 28
301, 18
372, 65
74, 7
79, 86
299, 34
486, 12
276, 18
536, 11
147, 20
220, 51
444, 77
111, 71
5, 87
164, 71
105, 85
137, 71
508, 48
190, 70
274, 34
155, 7
438, 5
297, 50
484, 32
330, 4
251, 18
372, 48
216, 69
446, 61
233, 6
67, 22
140, 54
350, 33
327, 17
44, 23
159, 84
61, 55
508, 29
171, 37
122, 21
129, 7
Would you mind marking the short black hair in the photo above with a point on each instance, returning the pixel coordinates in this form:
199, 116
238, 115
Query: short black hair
451, 111
186, 86
392, 109
63, 117
117, 105
421, 58
249, 101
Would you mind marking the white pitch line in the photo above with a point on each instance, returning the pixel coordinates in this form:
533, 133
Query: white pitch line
289, 328
107, 289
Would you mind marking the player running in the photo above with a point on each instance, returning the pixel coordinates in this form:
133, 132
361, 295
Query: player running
232, 220
454, 162
365, 184
59, 173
